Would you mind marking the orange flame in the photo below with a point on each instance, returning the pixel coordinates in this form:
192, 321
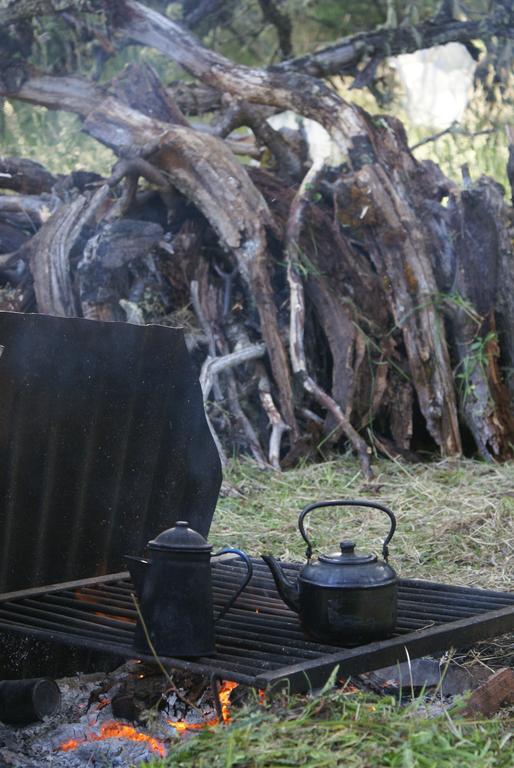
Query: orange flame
225, 691
226, 688
115, 730
84, 598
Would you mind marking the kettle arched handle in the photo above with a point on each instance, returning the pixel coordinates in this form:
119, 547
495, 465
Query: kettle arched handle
347, 503
249, 573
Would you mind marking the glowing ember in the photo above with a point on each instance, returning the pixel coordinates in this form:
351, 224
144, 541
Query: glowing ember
224, 694
115, 617
86, 598
181, 726
115, 730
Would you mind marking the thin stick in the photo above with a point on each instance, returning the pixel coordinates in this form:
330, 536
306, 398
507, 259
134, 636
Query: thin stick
207, 329
453, 128
278, 425
159, 663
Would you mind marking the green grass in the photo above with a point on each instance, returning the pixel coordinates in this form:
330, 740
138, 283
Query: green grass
455, 523
355, 731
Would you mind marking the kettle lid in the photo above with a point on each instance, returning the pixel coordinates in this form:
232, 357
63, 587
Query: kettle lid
347, 556
180, 538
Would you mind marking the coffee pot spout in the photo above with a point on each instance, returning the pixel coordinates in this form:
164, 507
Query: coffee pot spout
138, 569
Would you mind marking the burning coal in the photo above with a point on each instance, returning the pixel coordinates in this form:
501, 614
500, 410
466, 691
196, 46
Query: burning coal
117, 730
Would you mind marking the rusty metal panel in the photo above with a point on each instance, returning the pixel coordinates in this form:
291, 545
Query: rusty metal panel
103, 443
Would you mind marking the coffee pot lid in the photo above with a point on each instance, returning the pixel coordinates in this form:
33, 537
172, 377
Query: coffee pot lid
180, 538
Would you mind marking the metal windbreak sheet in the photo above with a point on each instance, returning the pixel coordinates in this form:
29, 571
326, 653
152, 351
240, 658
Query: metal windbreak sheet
103, 443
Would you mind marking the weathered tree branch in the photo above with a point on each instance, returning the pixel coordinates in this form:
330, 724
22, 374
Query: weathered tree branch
344, 56
341, 57
297, 318
241, 113
213, 366
50, 249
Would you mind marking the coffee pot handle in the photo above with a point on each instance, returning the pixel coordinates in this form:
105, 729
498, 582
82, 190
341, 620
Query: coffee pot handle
249, 573
347, 503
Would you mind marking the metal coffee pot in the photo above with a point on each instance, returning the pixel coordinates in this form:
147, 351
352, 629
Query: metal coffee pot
174, 591
347, 597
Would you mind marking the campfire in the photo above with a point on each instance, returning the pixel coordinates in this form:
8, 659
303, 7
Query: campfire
124, 732
95, 726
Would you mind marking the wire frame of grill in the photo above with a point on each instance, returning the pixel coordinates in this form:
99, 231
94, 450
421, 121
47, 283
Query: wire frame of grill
259, 641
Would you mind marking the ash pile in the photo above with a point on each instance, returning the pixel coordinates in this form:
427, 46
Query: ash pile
121, 719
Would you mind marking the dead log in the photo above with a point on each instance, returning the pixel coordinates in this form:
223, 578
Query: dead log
25, 176
205, 171
140, 87
202, 169
496, 692
195, 98
347, 296
49, 262
346, 55
50, 252
105, 256
297, 320
342, 57
241, 113
11, 238
480, 258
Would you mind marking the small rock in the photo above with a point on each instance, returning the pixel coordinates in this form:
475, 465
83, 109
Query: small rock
420, 674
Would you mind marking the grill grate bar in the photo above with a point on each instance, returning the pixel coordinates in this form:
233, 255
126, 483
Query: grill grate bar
445, 609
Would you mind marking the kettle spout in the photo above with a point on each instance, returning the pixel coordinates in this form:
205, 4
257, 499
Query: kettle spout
287, 590
138, 568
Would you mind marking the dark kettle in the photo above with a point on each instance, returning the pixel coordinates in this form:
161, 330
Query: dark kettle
174, 590
346, 597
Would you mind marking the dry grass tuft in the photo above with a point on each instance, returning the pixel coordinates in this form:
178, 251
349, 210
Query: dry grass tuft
455, 518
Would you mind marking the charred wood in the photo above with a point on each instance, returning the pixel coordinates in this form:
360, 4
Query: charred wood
25, 176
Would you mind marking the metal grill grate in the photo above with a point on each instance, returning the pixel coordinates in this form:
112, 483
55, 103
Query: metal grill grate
259, 642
